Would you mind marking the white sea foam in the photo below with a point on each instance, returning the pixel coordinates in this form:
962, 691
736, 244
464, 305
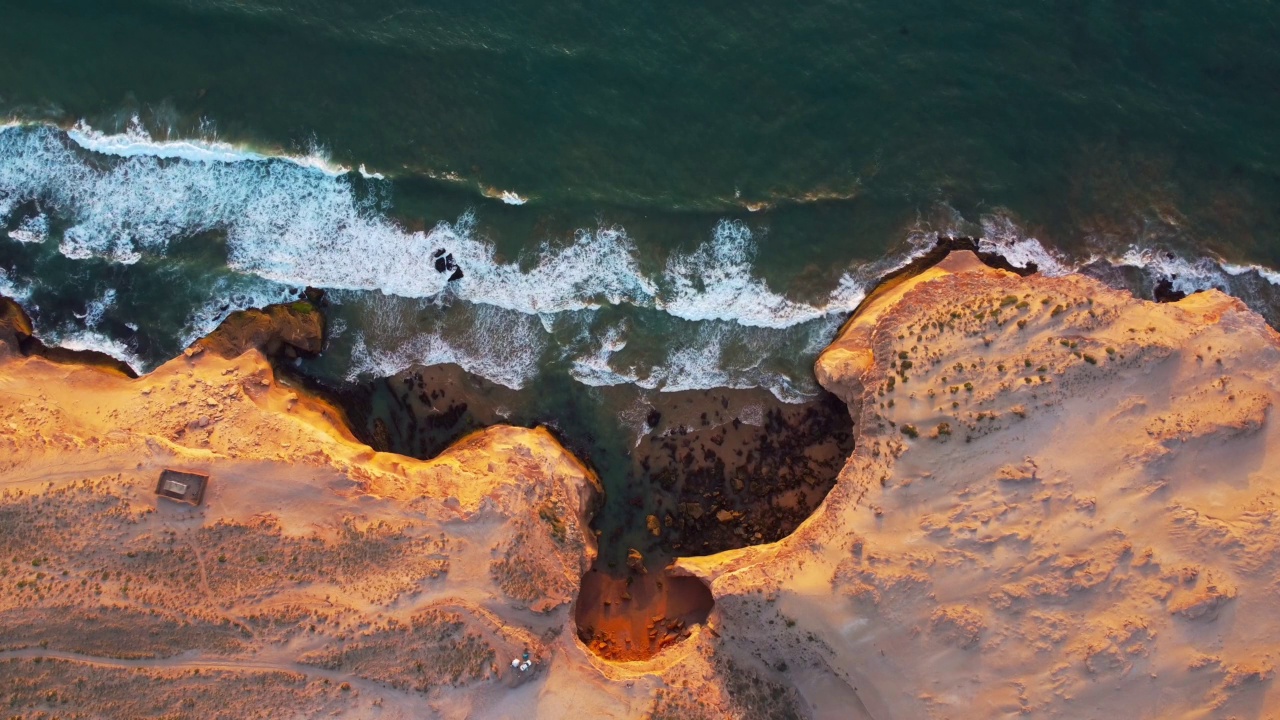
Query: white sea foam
1234, 270
299, 220
86, 336
34, 229
93, 340
636, 417
10, 288
1185, 275
509, 197
498, 345
716, 282
1002, 236
135, 141
94, 311
287, 222
720, 355
701, 356
593, 368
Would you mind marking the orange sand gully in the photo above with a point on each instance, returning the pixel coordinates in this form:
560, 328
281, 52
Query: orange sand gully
635, 616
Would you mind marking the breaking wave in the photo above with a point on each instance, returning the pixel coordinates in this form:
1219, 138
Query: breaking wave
502, 346
291, 221
298, 221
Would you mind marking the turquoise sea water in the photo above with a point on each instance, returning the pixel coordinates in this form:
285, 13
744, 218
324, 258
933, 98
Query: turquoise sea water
645, 196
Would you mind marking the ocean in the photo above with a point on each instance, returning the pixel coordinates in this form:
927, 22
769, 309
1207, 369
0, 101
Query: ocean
593, 209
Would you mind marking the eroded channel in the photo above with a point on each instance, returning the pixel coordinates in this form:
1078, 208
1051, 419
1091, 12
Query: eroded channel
684, 474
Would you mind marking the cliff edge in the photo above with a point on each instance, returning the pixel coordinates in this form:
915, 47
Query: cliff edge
1060, 504
317, 576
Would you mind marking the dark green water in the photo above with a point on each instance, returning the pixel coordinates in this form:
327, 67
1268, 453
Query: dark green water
706, 190
1078, 116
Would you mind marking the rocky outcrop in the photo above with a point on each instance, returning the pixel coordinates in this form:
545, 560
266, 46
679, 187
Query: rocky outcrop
285, 330
15, 326
17, 337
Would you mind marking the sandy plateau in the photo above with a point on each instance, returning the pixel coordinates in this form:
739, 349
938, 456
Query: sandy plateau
1060, 503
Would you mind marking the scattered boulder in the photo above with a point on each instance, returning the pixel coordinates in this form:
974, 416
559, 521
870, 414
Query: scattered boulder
635, 561
726, 516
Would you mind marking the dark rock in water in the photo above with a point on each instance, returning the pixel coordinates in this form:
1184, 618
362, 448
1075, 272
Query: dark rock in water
1164, 291
15, 326
442, 404
440, 265
381, 438
635, 561
438, 253
747, 472
457, 274
315, 296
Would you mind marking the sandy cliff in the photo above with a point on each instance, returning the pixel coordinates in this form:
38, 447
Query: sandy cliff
1060, 504
318, 576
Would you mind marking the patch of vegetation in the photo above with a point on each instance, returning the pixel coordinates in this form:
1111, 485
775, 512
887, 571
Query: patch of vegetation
910, 431
549, 511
